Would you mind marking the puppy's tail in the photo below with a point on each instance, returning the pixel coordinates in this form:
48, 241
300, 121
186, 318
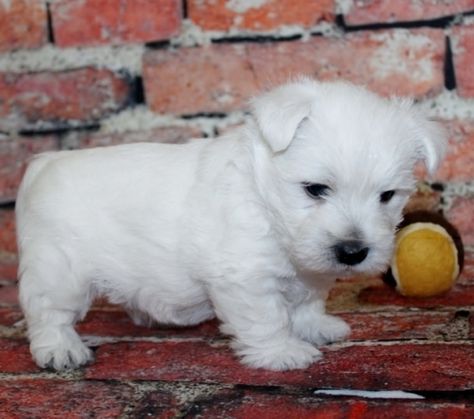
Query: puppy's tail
36, 165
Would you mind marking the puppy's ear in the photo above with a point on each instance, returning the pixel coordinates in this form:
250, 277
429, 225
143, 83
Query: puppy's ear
279, 112
430, 136
432, 139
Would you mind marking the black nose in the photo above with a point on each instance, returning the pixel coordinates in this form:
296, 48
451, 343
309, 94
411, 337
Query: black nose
351, 252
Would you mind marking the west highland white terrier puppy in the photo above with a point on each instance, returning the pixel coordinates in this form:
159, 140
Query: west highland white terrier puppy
252, 227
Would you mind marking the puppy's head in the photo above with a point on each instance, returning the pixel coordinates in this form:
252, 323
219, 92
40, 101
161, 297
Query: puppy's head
335, 164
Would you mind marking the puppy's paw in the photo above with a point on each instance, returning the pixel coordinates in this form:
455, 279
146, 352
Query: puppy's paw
323, 329
67, 352
292, 354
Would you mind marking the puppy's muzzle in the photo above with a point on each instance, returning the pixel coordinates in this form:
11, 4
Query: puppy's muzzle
351, 252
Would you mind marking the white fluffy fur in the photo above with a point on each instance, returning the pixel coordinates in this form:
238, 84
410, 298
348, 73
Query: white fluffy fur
221, 227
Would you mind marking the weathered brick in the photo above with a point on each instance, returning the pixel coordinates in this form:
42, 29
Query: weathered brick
96, 22
391, 326
174, 135
383, 295
9, 316
463, 56
15, 357
387, 11
219, 78
262, 15
438, 366
55, 398
471, 326
118, 323
457, 166
23, 24
461, 215
85, 94
15, 153
157, 404
247, 404
399, 62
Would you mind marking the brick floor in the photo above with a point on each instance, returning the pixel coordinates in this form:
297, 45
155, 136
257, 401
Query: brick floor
419, 346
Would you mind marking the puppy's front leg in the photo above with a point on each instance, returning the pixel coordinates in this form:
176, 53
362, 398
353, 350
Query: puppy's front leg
256, 314
312, 324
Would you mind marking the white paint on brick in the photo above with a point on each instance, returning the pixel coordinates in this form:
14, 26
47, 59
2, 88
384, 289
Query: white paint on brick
448, 105
140, 118
193, 35
242, 6
454, 190
136, 119
49, 58
7, 4
382, 394
398, 52
344, 6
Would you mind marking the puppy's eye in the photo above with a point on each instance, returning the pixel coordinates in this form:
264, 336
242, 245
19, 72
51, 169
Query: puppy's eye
386, 196
316, 190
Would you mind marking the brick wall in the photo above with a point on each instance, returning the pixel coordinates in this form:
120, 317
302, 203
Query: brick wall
81, 73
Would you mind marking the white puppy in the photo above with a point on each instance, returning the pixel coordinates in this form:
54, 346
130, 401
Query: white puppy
252, 227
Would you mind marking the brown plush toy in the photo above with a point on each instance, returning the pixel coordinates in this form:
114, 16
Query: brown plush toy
428, 256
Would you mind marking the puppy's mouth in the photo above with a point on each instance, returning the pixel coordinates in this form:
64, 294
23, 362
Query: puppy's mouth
365, 268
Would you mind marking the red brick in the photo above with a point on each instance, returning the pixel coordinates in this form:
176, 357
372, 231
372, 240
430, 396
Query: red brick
15, 154
23, 23
463, 56
8, 266
242, 405
97, 22
410, 366
220, 78
467, 277
9, 294
226, 15
118, 324
461, 215
459, 296
169, 134
387, 11
85, 94
216, 78
42, 398
15, 357
392, 326
7, 231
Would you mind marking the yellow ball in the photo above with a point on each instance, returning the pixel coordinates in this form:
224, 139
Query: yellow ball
427, 259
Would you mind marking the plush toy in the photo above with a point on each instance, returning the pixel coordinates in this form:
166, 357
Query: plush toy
428, 256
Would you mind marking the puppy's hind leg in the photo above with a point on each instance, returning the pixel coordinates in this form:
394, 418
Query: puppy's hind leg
53, 299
